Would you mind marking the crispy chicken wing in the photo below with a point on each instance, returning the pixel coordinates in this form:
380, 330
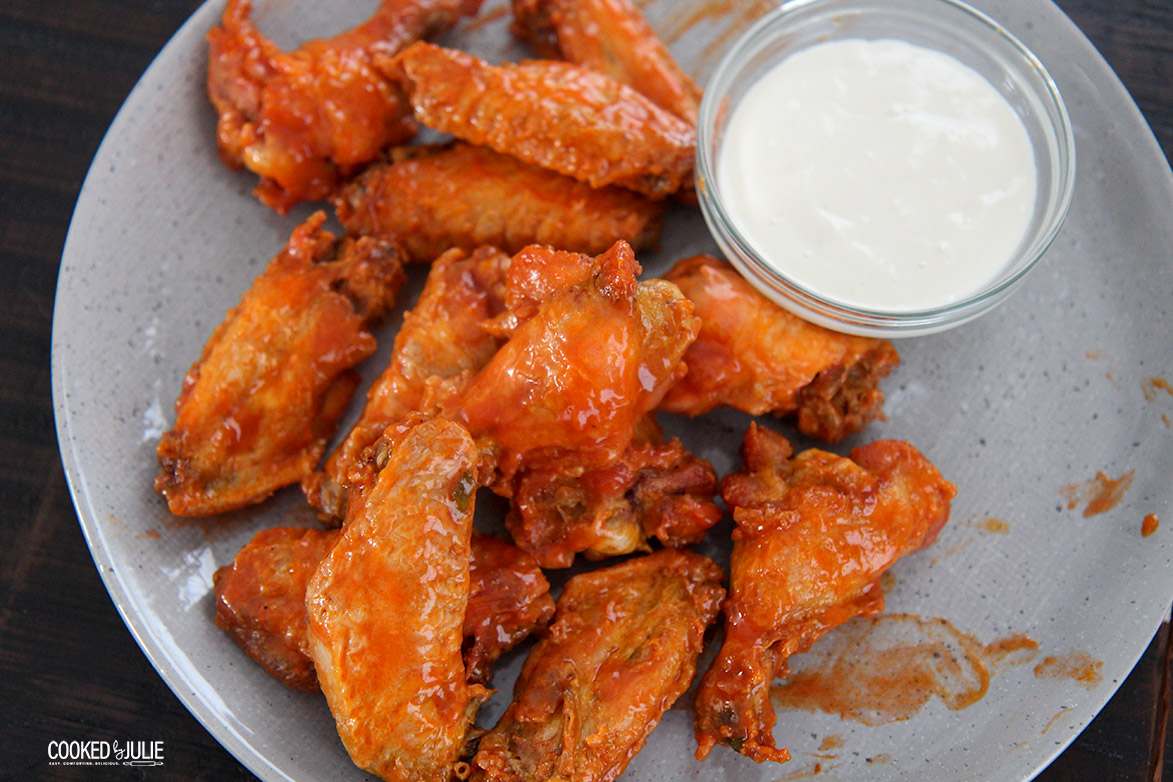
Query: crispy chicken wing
755, 356
581, 372
434, 198
260, 601
440, 338
306, 119
814, 534
622, 649
654, 489
387, 605
553, 114
510, 601
611, 37
262, 401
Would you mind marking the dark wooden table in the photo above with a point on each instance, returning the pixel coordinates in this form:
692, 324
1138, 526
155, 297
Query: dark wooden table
68, 667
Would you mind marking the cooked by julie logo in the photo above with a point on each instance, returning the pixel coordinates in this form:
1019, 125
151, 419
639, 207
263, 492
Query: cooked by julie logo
98, 752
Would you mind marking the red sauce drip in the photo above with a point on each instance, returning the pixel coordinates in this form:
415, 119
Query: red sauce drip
1100, 493
1078, 666
1149, 525
884, 669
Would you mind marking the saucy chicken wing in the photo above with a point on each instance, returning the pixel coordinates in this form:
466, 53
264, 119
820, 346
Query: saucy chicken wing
814, 534
556, 115
306, 119
611, 37
387, 606
757, 357
440, 338
510, 601
654, 489
622, 648
580, 374
259, 406
433, 198
260, 601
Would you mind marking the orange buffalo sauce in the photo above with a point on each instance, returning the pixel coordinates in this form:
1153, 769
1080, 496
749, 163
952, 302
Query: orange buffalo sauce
884, 669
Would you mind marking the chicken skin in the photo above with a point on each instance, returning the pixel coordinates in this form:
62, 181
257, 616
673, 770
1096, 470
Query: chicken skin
622, 648
387, 605
260, 601
578, 375
305, 120
814, 534
259, 406
654, 489
613, 38
552, 114
440, 338
434, 198
757, 357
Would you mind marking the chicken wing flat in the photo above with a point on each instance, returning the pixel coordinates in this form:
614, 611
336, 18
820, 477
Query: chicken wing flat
386, 610
434, 198
306, 119
755, 356
654, 489
622, 649
259, 406
556, 115
440, 338
814, 534
260, 601
611, 37
582, 372
510, 601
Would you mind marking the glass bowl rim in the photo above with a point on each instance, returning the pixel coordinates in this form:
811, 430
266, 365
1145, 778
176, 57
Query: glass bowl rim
868, 320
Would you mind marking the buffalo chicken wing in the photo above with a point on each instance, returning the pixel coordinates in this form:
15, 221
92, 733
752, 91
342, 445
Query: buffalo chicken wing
387, 606
440, 338
581, 373
260, 601
433, 198
611, 37
814, 534
304, 120
757, 357
552, 114
622, 648
258, 407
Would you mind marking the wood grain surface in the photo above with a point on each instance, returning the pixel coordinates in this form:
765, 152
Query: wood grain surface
68, 666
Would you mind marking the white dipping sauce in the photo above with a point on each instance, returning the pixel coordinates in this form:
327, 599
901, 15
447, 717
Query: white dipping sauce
878, 174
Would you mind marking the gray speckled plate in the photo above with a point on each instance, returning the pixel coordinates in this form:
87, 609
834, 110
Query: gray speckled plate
1022, 409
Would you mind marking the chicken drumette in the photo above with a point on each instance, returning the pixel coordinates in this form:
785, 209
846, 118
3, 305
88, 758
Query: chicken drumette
814, 534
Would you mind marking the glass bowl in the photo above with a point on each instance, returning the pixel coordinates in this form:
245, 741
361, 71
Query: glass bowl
946, 26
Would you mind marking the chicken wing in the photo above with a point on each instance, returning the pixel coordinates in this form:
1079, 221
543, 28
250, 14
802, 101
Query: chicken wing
259, 406
552, 114
440, 338
654, 489
434, 198
306, 119
622, 649
510, 601
814, 534
387, 605
755, 356
581, 372
260, 601
611, 37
